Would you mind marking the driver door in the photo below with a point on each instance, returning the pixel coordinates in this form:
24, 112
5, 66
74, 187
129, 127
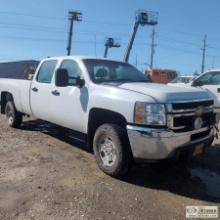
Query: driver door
68, 105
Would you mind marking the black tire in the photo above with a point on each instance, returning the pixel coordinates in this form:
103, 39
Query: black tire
121, 157
13, 117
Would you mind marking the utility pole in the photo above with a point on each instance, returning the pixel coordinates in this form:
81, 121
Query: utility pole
153, 45
72, 16
203, 54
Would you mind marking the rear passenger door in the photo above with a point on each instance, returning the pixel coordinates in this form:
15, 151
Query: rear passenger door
41, 88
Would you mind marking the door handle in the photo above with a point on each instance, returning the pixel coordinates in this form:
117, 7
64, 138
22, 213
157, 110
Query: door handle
55, 92
218, 90
35, 89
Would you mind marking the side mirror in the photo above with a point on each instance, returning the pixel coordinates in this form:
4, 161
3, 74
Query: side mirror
61, 78
197, 83
80, 82
76, 81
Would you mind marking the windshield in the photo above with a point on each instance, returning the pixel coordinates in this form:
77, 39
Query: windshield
102, 71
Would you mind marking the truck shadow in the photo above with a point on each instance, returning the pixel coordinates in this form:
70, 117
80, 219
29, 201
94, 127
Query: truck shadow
194, 180
54, 131
199, 179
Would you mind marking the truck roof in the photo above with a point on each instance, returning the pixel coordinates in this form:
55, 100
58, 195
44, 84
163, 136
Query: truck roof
81, 58
212, 70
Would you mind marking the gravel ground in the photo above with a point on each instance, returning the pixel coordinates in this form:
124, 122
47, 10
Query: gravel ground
46, 174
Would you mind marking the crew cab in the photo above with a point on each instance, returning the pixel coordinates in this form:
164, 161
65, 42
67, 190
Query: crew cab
114, 108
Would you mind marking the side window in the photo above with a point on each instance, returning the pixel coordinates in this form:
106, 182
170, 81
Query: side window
215, 78
46, 71
73, 69
204, 79
211, 78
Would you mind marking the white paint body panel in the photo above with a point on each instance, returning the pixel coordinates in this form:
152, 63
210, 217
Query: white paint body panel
211, 89
20, 90
71, 109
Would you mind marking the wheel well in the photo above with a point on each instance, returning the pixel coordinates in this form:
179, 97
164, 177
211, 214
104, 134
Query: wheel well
5, 97
98, 117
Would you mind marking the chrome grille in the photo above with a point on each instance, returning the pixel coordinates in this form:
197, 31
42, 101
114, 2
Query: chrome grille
191, 105
181, 116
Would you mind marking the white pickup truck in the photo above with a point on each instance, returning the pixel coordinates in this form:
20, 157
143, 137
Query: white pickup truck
208, 81
110, 104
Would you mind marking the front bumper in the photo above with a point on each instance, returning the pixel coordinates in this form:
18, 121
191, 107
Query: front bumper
151, 143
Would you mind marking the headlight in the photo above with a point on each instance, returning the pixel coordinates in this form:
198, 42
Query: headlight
150, 114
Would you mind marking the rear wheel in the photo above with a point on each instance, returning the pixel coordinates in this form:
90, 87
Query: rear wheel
14, 118
112, 150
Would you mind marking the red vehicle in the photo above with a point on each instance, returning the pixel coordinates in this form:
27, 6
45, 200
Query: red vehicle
161, 75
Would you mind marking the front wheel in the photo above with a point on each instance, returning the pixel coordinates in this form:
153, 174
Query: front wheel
112, 150
13, 117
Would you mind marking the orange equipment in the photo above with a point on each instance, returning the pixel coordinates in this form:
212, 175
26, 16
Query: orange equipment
161, 75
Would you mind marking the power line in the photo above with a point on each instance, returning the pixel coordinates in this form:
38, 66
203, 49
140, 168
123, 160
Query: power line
49, 29
31, 38
161, 45
48, 40
166, 29
177, 49
179, 41
31, 15
62, 30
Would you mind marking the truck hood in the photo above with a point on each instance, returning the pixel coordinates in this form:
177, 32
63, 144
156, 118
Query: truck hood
166, 94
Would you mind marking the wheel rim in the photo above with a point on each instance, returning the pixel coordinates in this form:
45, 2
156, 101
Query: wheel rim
107, 151
9, 115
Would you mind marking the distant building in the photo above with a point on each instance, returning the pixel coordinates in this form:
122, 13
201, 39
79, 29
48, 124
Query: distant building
18, 69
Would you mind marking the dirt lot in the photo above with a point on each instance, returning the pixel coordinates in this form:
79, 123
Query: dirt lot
46, 174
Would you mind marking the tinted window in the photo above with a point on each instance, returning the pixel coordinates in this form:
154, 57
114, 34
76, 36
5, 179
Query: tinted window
73, 70
111, 71
46, 71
